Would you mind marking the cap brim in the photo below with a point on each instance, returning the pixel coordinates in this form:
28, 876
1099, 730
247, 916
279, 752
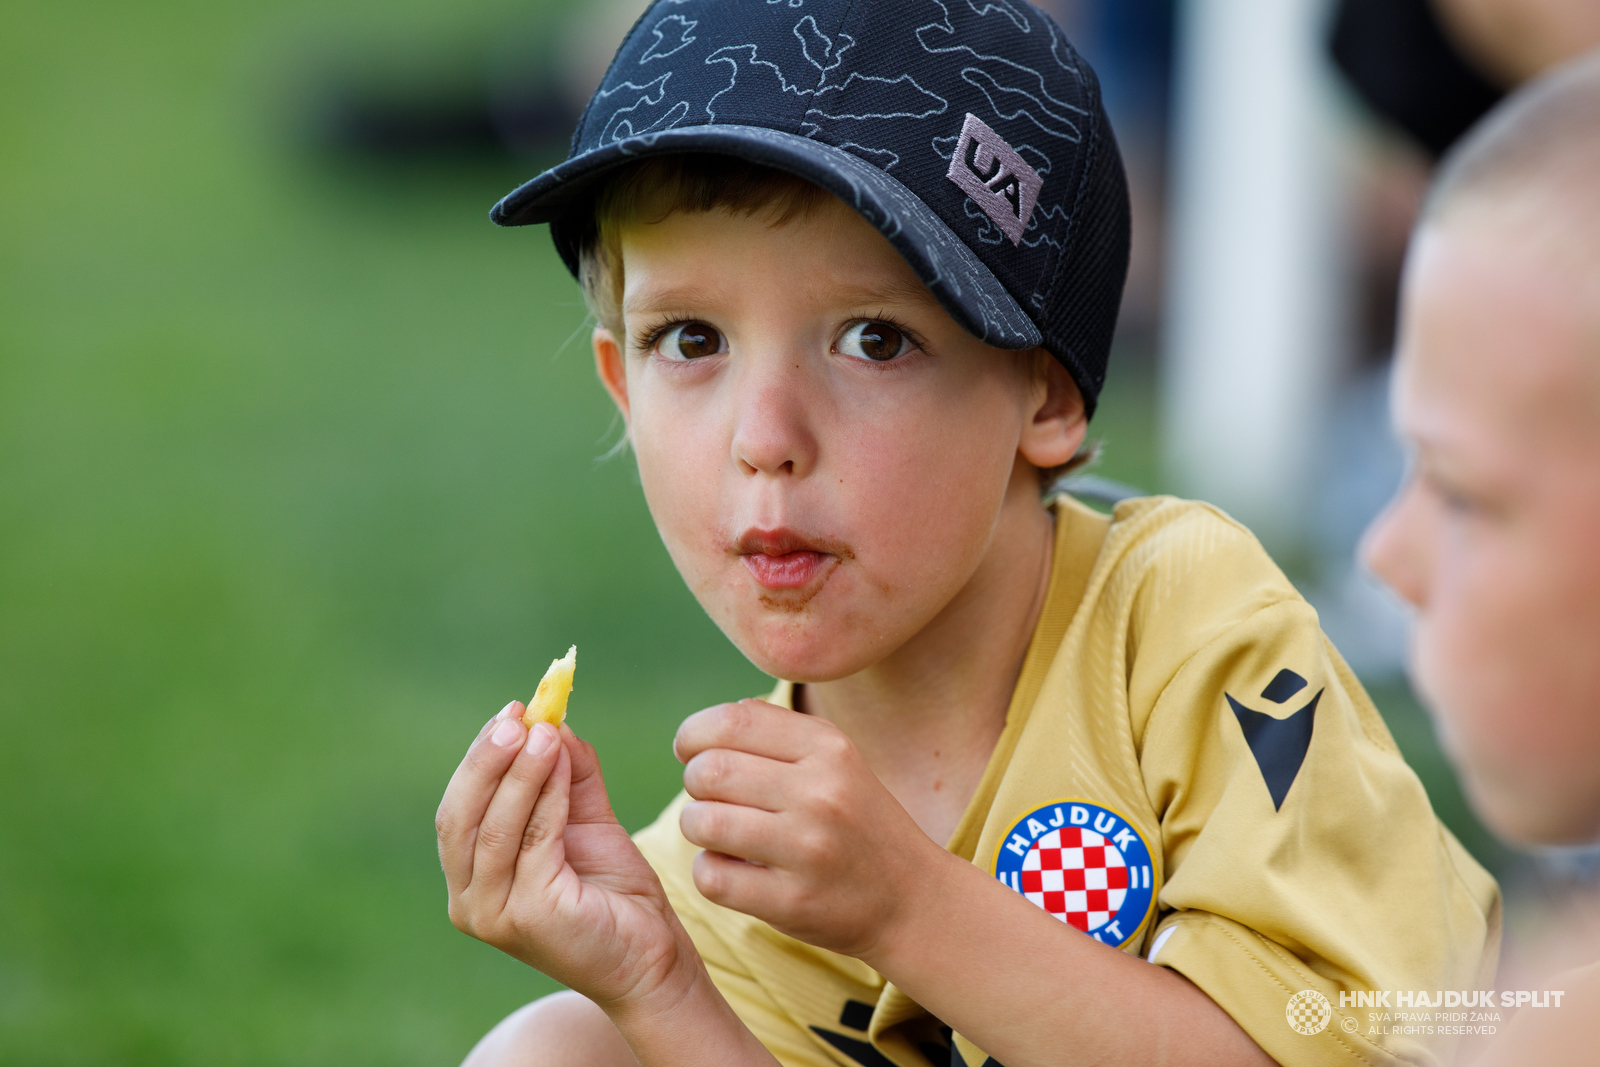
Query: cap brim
956, 277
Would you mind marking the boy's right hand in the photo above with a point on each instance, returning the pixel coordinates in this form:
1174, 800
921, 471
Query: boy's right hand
538, 866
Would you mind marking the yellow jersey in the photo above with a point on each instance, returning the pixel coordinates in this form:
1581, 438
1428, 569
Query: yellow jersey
1189, 772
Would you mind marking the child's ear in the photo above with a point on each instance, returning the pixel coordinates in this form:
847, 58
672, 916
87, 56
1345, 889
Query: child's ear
1058, 425
610, 365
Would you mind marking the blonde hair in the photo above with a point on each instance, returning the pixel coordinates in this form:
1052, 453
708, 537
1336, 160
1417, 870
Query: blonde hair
653, 188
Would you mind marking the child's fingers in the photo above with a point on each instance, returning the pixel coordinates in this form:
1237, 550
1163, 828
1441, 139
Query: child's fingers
745, 833
506, 823
752, 726
737, 778
471, 788
733, 883
512, 710
589, 800
543, 851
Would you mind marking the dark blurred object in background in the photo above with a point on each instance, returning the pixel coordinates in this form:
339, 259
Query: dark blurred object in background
488, 109
519, 97
1434, 67
1397, 56
388, 122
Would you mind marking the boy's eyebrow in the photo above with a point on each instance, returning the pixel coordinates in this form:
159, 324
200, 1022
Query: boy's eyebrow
897, 291
890, 291
673, 296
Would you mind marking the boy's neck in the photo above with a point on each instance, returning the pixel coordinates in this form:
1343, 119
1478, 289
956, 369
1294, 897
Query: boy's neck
927, 717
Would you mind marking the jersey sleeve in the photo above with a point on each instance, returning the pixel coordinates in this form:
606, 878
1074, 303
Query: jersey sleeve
1302, 857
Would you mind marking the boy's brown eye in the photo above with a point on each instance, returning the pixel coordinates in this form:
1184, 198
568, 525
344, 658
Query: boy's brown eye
877, 341
691, 341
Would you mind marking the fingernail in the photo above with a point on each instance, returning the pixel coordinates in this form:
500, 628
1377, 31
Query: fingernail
505, 712
540, 738
505, 734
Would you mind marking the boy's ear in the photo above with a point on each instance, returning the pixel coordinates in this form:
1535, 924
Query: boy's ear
1058, 426
610, 365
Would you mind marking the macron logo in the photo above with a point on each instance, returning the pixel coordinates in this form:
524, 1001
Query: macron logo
998, 180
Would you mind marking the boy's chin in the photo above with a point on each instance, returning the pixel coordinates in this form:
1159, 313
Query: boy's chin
1536, 816
805, 650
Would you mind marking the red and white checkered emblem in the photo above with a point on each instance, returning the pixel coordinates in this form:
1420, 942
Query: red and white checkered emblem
1083, 863
1076, 876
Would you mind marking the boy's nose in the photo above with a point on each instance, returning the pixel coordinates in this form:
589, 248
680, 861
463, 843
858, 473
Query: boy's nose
773, 431
1392, 549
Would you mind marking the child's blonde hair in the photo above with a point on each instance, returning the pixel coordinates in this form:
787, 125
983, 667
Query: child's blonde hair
651, 189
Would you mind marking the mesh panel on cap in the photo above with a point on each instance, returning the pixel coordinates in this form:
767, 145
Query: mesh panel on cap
1080, 312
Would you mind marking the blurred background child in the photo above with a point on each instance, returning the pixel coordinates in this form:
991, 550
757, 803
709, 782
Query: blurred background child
1493, 538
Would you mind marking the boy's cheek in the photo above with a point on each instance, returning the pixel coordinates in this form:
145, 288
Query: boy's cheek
678, 466
1495, 656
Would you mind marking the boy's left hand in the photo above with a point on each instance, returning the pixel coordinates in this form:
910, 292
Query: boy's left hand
798, 831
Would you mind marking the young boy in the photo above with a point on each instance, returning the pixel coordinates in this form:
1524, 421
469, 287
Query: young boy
856, 268
1494, 537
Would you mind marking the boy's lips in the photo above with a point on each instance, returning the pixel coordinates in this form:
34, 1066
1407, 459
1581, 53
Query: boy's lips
792, 570
783, 559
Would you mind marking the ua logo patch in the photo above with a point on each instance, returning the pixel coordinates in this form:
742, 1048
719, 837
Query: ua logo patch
1279, 745
1084, 864
999, 180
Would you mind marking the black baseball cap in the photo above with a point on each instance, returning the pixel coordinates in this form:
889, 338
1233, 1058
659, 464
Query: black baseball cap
971, 135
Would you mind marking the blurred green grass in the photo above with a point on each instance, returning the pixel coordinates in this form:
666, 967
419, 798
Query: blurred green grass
298, 485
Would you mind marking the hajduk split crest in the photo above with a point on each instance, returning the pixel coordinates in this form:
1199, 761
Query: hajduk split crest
1084, 864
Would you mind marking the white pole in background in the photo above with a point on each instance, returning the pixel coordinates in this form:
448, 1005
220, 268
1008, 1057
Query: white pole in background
1253, 308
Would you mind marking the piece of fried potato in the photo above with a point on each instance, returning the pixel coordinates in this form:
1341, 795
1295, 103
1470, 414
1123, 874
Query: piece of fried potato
549, 703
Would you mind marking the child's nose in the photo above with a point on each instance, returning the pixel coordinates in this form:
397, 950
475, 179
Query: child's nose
1391, 550
774, 432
